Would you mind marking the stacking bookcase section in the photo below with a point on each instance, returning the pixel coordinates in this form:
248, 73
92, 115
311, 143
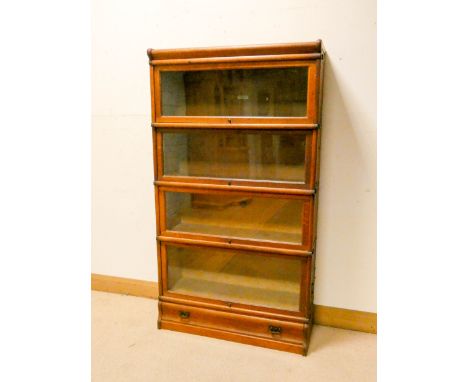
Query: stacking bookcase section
231, 277
267, 158
236, 135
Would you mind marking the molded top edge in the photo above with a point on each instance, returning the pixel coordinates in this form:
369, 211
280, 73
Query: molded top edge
233, 51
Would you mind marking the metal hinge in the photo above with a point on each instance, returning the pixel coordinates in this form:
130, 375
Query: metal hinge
316, 187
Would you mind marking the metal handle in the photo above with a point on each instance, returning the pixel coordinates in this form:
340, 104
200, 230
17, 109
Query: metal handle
274, 329
183, 314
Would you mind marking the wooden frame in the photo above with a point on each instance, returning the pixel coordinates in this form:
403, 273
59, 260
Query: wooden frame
307, 211
276, 328
308, 121
301, 312
275, 186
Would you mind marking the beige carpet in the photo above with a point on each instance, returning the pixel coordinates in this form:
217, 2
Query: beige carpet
127, 346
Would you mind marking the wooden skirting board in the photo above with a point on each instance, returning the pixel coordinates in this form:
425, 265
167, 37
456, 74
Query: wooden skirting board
324, 315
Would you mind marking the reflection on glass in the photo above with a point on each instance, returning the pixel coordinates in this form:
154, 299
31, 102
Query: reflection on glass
233, 215
235, 154
235, 276
275, 92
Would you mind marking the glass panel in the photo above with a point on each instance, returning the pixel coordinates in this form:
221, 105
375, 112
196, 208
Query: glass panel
235, 154
275, 92
234, 276
234, 215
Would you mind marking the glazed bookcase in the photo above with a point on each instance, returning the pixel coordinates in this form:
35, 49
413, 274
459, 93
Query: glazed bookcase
236, 137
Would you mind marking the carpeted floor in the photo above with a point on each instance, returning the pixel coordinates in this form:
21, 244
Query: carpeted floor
127, 346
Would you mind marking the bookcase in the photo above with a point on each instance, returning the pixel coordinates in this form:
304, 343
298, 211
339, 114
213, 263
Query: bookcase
236, 140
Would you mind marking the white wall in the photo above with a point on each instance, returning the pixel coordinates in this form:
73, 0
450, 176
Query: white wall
123, 204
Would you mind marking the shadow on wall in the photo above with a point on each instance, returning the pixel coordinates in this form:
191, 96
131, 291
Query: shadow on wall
346, 221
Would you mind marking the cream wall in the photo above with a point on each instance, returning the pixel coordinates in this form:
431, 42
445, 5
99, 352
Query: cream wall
123, 242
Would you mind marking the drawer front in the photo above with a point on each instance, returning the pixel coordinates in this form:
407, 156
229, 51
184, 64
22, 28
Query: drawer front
256, 326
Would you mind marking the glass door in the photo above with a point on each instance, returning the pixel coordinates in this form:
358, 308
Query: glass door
249, 155
235, 217
273, 92
234, 276
237, 93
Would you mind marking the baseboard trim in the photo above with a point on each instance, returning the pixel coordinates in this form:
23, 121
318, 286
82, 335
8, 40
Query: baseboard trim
121, 285
346, 319
323, 315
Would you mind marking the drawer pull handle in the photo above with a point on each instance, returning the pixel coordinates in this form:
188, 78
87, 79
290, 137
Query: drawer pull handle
274, 329
183, 314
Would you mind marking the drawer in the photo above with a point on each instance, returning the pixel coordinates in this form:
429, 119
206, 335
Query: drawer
277, 330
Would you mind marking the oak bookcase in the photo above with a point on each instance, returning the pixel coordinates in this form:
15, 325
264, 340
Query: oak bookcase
236, 136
